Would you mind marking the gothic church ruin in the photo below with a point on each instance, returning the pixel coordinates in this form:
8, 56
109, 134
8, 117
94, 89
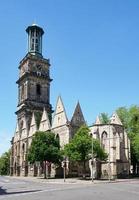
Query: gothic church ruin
34, 112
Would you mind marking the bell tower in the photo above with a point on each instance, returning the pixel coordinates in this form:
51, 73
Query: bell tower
34, 80
35, 39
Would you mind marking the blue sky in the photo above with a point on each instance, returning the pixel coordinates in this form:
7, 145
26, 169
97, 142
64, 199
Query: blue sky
93, 46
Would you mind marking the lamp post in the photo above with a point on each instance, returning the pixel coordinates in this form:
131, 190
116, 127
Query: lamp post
109, 157
92, 162
64, 168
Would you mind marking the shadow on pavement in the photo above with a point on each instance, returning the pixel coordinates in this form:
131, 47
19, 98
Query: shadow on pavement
4, 192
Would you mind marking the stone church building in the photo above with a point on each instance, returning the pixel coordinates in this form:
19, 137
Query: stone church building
34, 112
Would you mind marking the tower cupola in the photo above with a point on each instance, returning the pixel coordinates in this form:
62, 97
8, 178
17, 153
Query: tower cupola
35, 39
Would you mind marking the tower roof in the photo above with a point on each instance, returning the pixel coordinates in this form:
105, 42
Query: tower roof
35, 39
78, 118
115, 119
33, 27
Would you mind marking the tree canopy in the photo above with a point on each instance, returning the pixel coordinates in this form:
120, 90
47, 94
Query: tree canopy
79, 148
130, 119
104, 118
44, 147
5, 163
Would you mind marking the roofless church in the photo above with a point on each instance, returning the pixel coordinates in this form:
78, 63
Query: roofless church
34, 112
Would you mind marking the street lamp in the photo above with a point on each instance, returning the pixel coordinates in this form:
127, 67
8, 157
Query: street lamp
64, 168
92, 162
109, 157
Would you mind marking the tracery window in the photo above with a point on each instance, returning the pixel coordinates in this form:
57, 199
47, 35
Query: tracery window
104, 139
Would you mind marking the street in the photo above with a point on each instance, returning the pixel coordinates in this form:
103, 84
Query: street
39, 189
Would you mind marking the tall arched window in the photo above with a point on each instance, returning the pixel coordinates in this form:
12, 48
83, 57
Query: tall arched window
23, 148
38, 89
57, 138
118, 146
104, 139
22, 92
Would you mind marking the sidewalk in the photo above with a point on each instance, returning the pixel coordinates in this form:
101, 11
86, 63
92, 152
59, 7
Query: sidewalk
72, 180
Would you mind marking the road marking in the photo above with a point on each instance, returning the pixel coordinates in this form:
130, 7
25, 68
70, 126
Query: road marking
36, 192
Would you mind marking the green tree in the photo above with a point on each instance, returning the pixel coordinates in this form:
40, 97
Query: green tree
123, 114
136, 147
104, 118
44, 147
5, 163
79, 148
130, 120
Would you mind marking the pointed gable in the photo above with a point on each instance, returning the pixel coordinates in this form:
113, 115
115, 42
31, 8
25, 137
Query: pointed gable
115, 119
60, 117
97, 122
16, 136
33, 126
78, 118
45, 123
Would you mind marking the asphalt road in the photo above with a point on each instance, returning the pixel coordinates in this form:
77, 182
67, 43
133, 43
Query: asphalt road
39, 189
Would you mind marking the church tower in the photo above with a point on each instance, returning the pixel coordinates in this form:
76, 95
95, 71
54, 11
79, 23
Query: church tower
34, 80
33, 97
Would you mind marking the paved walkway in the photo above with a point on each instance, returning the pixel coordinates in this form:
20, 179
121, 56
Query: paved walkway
72, 180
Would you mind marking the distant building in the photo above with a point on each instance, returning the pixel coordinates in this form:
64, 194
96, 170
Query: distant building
34, 112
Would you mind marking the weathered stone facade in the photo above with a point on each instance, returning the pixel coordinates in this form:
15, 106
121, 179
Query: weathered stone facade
33, 97
116, 144
34, 112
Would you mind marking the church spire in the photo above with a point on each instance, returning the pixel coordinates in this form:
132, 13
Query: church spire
35, 39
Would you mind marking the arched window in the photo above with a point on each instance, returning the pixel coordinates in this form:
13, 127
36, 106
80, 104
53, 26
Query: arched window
104, 139
23, 148
57, 138
22, 92
21, 125
117, 144
16, 149
38, 89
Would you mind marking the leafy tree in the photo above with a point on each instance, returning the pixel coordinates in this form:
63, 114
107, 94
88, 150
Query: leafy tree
79, 148
44, 147
130, 120
123, 114
5, 163
136, 147
104, 118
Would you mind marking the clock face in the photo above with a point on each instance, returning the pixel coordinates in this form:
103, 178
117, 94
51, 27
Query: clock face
39, 70
39, 67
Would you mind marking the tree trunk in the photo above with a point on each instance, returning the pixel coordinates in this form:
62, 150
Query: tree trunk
134, 168
45, 169
137, 169
84, 169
